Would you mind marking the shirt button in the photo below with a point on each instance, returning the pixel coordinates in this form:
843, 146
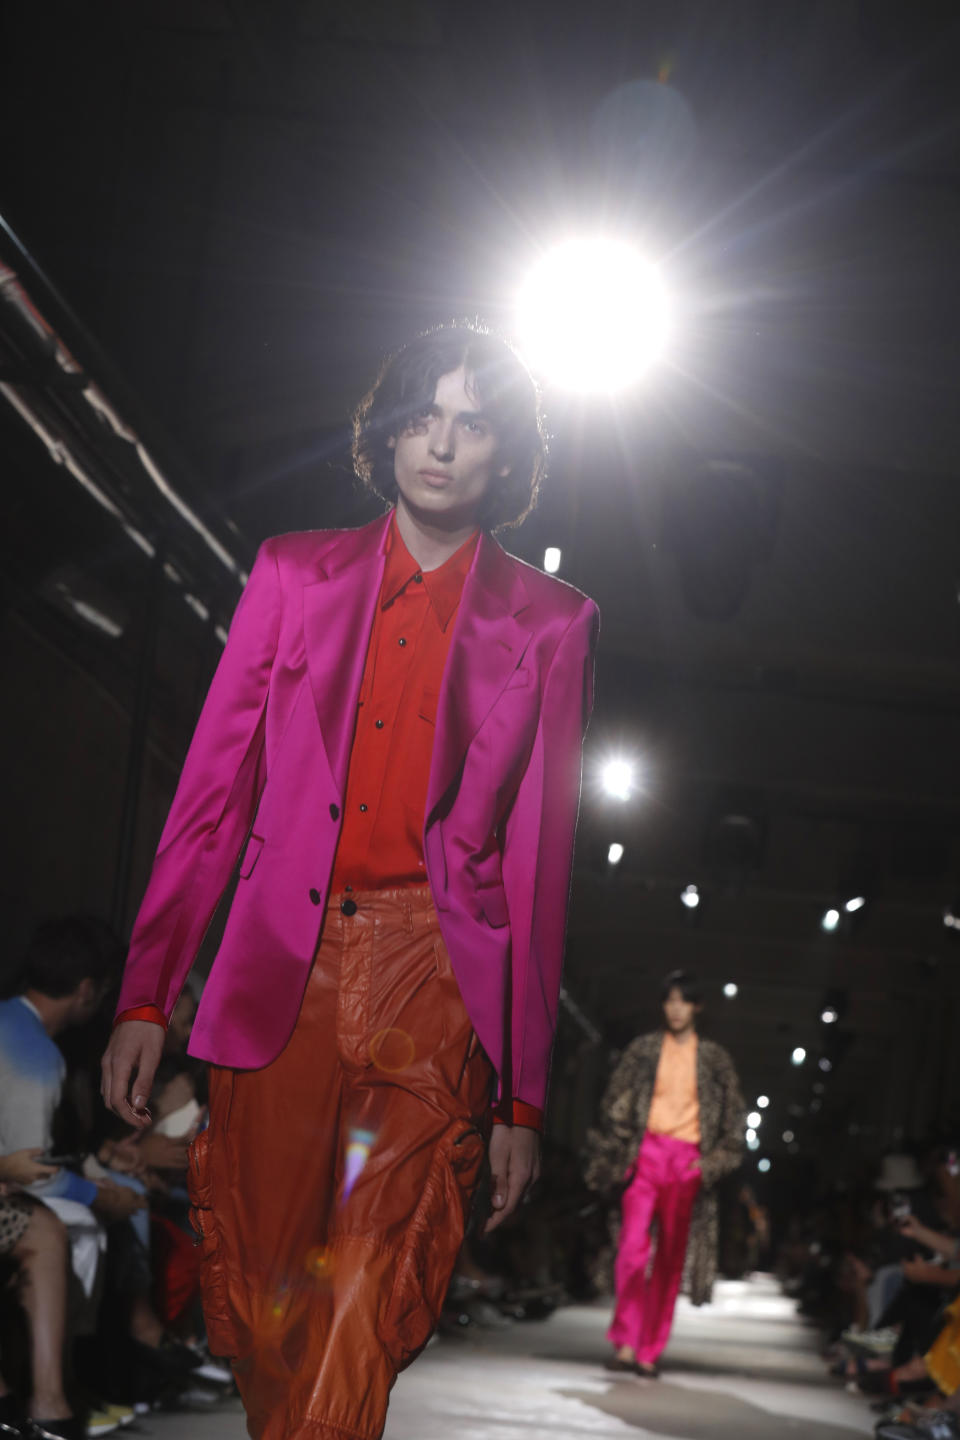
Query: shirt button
315, 897
418, 579
363, 809
378, 724
401, 641
349, 907
334, 812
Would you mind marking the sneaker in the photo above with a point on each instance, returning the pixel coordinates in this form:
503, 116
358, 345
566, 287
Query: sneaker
931, 1425
100, 1422
123, 1414
872, 1342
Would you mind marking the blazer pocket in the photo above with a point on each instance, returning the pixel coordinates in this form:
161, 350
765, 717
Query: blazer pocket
250, 856
492, 900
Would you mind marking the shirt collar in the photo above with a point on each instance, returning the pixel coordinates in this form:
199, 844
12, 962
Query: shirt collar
30, 1006
443, 585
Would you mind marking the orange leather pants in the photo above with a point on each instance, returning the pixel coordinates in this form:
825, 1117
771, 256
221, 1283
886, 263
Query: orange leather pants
332, 1187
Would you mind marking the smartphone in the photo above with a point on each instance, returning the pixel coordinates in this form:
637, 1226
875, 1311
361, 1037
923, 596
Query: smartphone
899, 1207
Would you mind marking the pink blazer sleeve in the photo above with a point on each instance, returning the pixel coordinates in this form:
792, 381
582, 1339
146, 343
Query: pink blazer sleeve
538, 855
214, 804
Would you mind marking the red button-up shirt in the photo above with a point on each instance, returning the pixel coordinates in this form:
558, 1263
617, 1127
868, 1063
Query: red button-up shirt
381, 843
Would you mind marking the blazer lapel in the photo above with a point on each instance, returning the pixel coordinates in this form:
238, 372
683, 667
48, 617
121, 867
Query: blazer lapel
338, 610
487, 646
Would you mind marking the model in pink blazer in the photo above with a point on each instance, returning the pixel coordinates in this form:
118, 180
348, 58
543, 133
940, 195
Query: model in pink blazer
268, 766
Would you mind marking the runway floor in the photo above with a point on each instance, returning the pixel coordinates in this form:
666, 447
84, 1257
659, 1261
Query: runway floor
744, 1368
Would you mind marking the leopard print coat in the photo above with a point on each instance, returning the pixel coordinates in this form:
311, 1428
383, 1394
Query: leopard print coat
612, 1146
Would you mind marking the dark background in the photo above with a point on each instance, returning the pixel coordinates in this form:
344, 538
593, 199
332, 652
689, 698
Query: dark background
246, 204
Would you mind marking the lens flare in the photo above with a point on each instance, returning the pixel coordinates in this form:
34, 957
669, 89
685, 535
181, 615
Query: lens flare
392, 1050
359, 1145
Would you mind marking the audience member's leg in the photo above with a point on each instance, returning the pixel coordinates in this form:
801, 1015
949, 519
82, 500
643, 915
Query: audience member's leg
43, 1255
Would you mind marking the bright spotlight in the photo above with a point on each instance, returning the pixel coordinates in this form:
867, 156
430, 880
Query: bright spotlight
617, 779
730, 990
592, 315
798, 1056
615, 854
754, 1118
829, 1015
551, 560
857, 903
763, 1101
751, 1135
763, 1165
830, 921
690, 897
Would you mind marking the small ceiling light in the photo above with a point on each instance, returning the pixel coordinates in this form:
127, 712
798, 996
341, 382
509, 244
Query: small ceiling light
763, 1165
551, 560
615, 853
826, 1065
754, 1119
829, 1015
798, 1056
751, 1135
950, 919
730, 990
753, 1144
857, 903
763, 1101
788, 1137
830, 921
690, 897
617, 777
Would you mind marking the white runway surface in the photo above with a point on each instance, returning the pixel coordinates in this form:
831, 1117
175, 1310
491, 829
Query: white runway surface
744, 1368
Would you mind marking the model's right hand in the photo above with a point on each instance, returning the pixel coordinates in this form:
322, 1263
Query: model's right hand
129, 1065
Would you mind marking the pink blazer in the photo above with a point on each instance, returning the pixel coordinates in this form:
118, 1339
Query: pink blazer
268, 765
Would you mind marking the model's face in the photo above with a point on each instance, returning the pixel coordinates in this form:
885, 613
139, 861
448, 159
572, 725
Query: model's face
445, 459
679, 1014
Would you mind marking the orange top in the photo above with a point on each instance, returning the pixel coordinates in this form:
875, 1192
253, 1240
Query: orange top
381, 843
675, 1109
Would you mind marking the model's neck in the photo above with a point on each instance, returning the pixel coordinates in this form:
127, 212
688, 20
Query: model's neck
431, 544
684, 1036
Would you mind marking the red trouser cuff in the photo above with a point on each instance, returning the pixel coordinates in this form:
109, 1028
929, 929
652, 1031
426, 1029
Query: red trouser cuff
518, 1112
153, 1013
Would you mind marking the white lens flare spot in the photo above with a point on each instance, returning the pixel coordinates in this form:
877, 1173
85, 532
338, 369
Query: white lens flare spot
690, 897
754, 1119
763, 1101
830, 921
551, 559
617, 778
593, 315
763, 1165
730, 990
615, 854
798, 1056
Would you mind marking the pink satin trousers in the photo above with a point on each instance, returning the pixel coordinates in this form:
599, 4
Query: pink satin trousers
664, 1186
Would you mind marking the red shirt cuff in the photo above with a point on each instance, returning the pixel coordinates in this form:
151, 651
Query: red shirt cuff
153, 1013
518, 1112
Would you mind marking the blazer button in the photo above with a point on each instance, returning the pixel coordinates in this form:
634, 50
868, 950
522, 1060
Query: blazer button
334, 812
315, 897
349, 907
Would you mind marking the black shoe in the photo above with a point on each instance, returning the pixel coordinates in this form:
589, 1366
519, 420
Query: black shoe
72, 1429
649, 1369
620, 1367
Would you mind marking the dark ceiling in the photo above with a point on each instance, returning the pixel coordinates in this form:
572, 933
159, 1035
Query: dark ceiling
248, 203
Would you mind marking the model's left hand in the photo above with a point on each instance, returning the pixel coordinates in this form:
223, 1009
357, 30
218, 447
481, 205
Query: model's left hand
514, 1166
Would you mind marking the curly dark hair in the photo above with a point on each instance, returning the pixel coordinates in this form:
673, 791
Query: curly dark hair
507, 391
